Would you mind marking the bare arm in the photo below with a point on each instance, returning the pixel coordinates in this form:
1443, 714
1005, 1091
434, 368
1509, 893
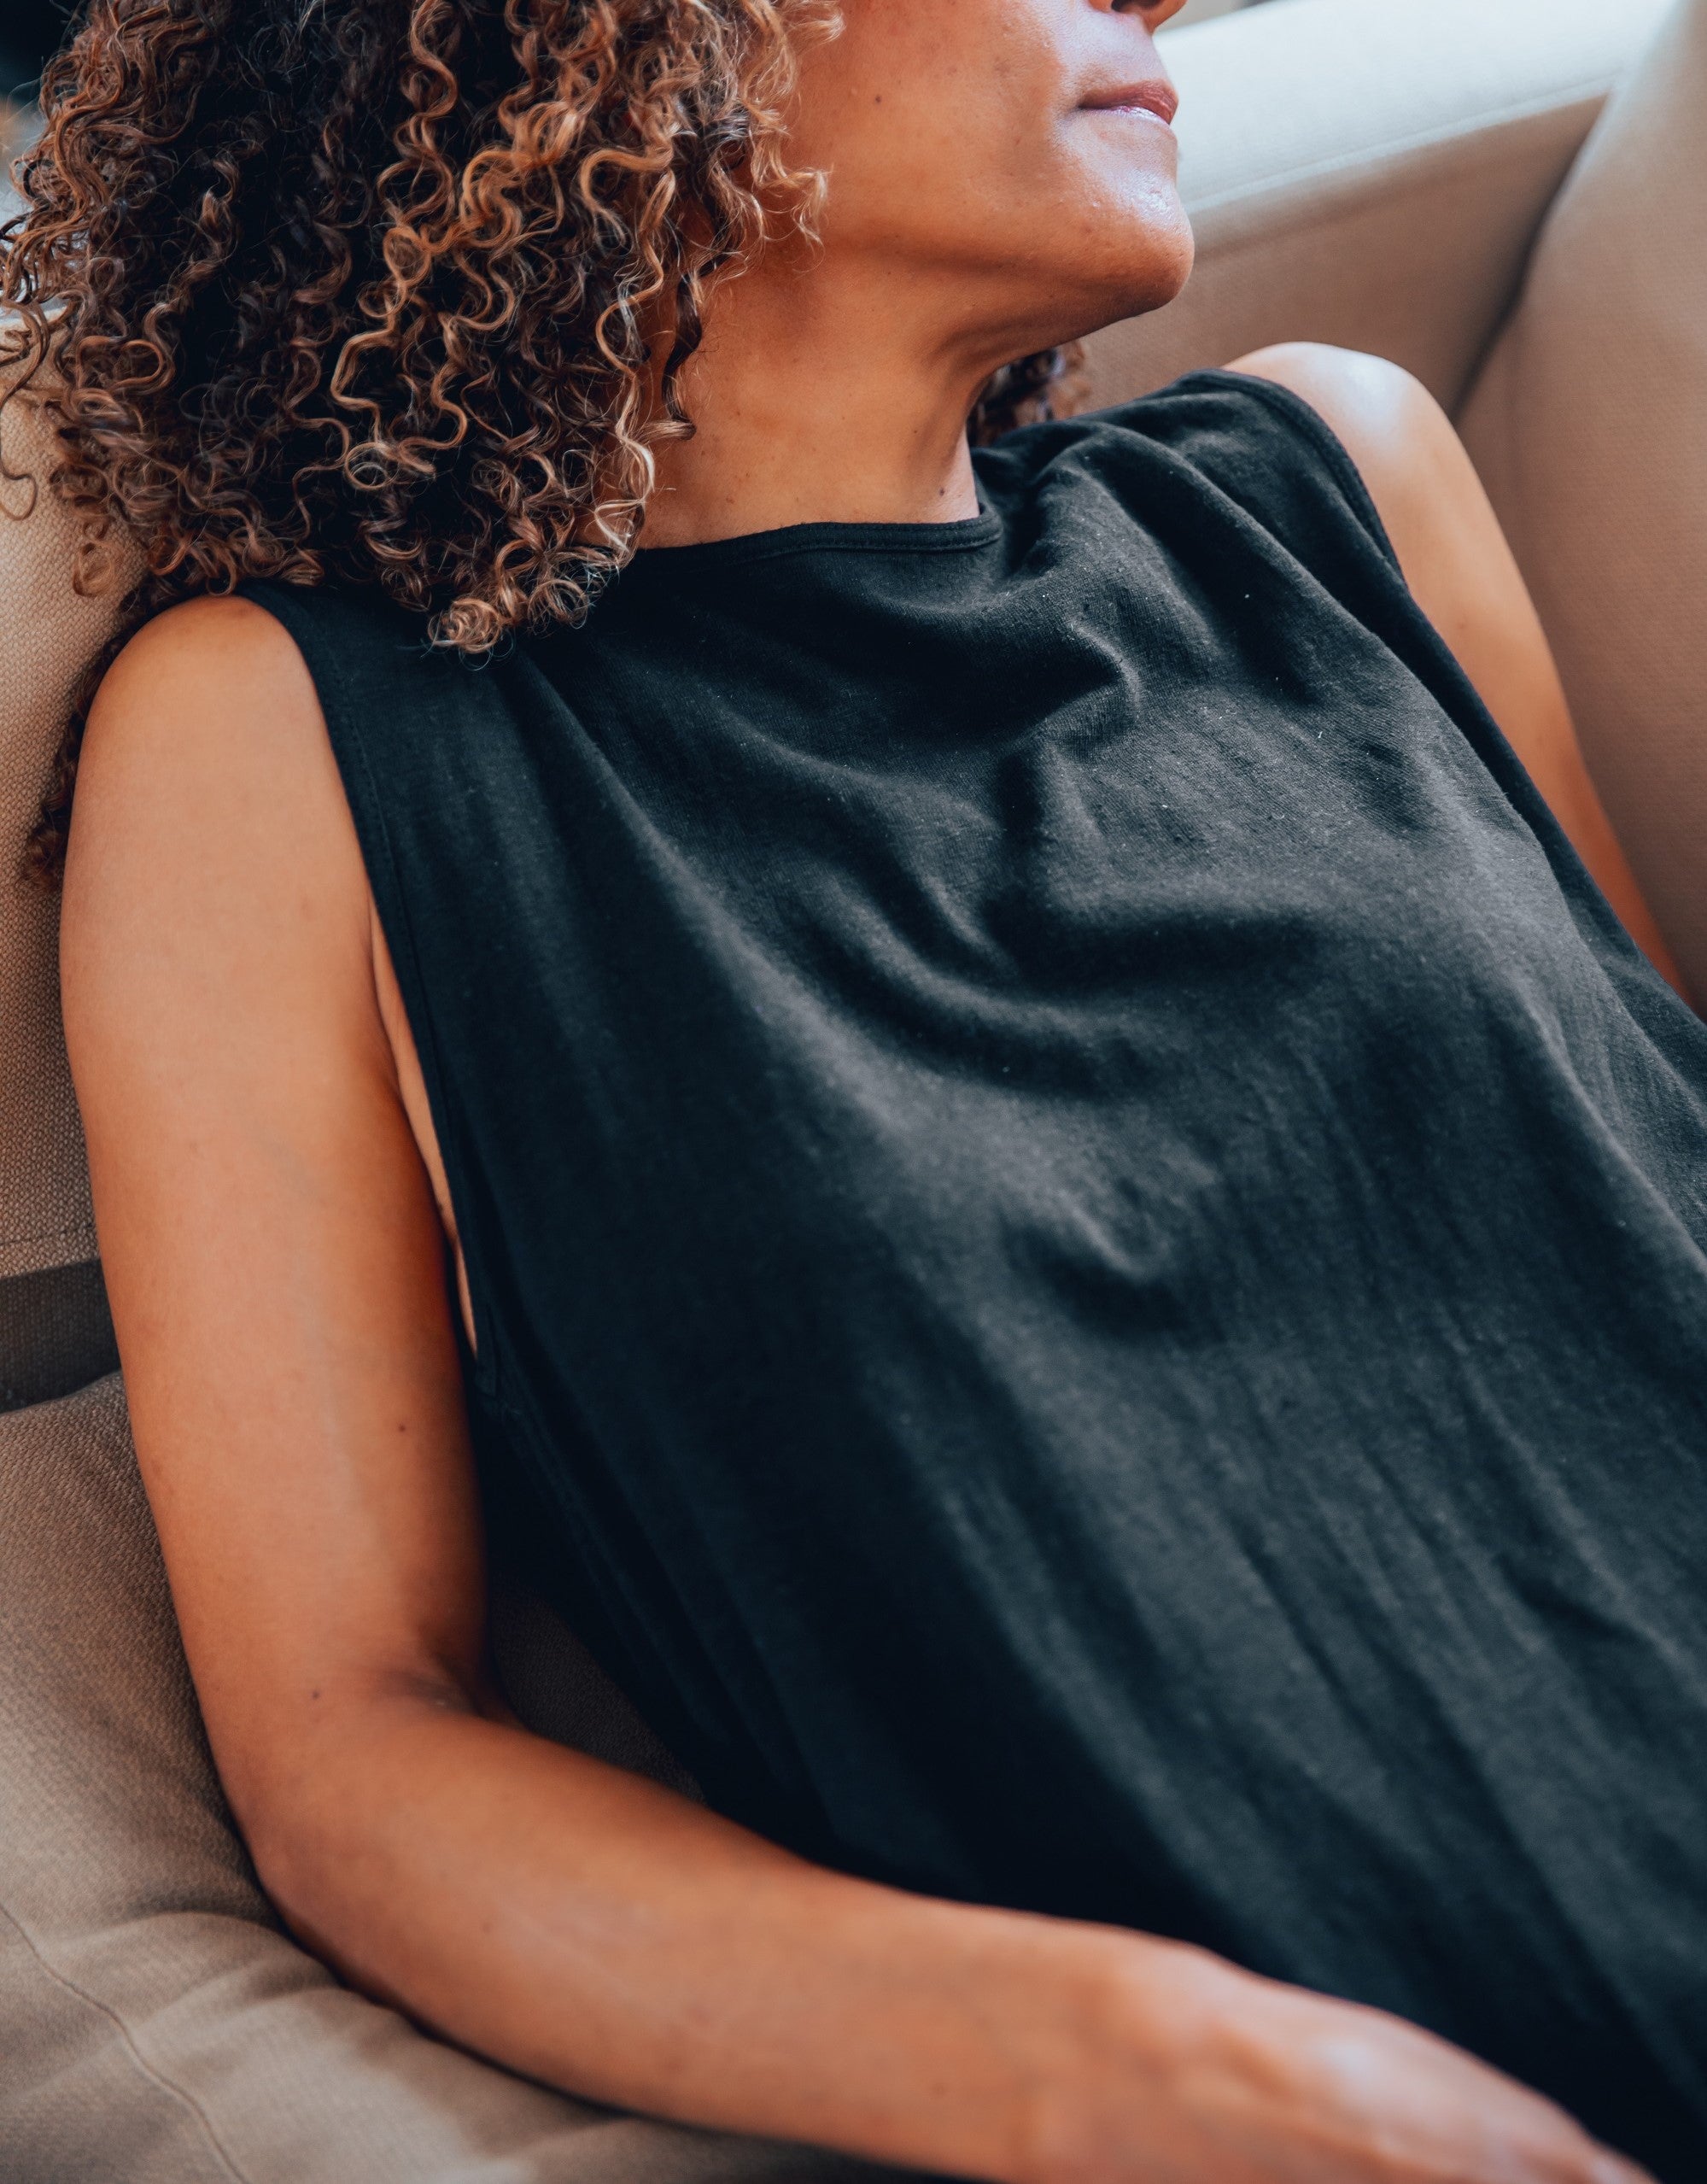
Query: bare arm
277, 1266
1458, 563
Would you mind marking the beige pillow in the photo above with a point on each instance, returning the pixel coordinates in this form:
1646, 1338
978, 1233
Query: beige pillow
54, 1330
1590, 426
156, 2026
47, 636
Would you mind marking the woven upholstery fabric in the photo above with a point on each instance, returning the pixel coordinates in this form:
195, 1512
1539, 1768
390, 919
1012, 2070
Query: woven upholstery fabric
157, 2026
48, 634
55, 1333
1370, 172
1590, 426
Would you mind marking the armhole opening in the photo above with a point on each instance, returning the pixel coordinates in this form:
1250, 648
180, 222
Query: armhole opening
339, 711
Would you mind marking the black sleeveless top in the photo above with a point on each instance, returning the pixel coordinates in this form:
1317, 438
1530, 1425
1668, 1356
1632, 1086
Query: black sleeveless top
1088, 1233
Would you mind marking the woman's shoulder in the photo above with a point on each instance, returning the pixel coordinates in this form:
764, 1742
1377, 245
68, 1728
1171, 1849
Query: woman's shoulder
1355, 466
210, 846
219, 648
207, 653
205, 716
199, 695
1383, 422
1252, 443
1394, 449
1448, 544
1434, 511
218, 711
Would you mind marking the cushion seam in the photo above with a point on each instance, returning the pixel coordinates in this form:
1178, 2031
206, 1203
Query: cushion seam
155, 2076
1394, 190
1491, 124
41, 1235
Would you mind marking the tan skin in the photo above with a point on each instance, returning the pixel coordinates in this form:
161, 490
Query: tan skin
275, 1224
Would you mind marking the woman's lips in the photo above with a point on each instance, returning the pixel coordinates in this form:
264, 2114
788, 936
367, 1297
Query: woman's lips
1159, 99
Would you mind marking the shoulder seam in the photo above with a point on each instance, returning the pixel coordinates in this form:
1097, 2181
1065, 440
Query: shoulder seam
1304, 417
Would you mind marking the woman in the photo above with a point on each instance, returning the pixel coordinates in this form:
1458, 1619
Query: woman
988, 1092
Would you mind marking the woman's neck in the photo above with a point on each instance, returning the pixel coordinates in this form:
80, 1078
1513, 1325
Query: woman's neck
815, 402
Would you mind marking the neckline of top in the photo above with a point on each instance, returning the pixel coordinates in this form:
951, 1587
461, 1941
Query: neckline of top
955, 537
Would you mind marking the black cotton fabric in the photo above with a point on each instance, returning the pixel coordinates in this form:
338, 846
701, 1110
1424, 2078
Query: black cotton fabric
1085, 1230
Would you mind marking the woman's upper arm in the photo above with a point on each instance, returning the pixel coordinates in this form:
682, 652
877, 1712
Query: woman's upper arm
1460, 569
271, 1247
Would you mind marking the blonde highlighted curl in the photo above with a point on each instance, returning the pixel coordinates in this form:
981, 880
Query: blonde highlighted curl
364, 292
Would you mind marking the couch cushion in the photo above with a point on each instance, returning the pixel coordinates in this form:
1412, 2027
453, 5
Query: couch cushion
1590, 426
54, 1333
47, 637
157, 2026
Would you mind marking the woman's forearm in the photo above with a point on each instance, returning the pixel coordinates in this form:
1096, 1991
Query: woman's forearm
598, 1933
587, 1928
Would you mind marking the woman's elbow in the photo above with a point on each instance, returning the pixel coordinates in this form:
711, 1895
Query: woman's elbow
319, 1801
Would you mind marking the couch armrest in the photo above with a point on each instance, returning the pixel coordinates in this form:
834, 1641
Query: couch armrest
1371, 172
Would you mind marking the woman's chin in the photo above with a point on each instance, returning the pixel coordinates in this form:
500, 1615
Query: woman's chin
1146, 271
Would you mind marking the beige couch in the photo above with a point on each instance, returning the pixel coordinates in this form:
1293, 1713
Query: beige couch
1376, 173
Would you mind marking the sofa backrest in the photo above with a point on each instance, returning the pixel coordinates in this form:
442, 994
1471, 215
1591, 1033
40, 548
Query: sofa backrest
1590, 427
53, 1333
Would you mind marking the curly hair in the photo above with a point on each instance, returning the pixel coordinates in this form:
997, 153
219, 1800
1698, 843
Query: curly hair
368, 292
